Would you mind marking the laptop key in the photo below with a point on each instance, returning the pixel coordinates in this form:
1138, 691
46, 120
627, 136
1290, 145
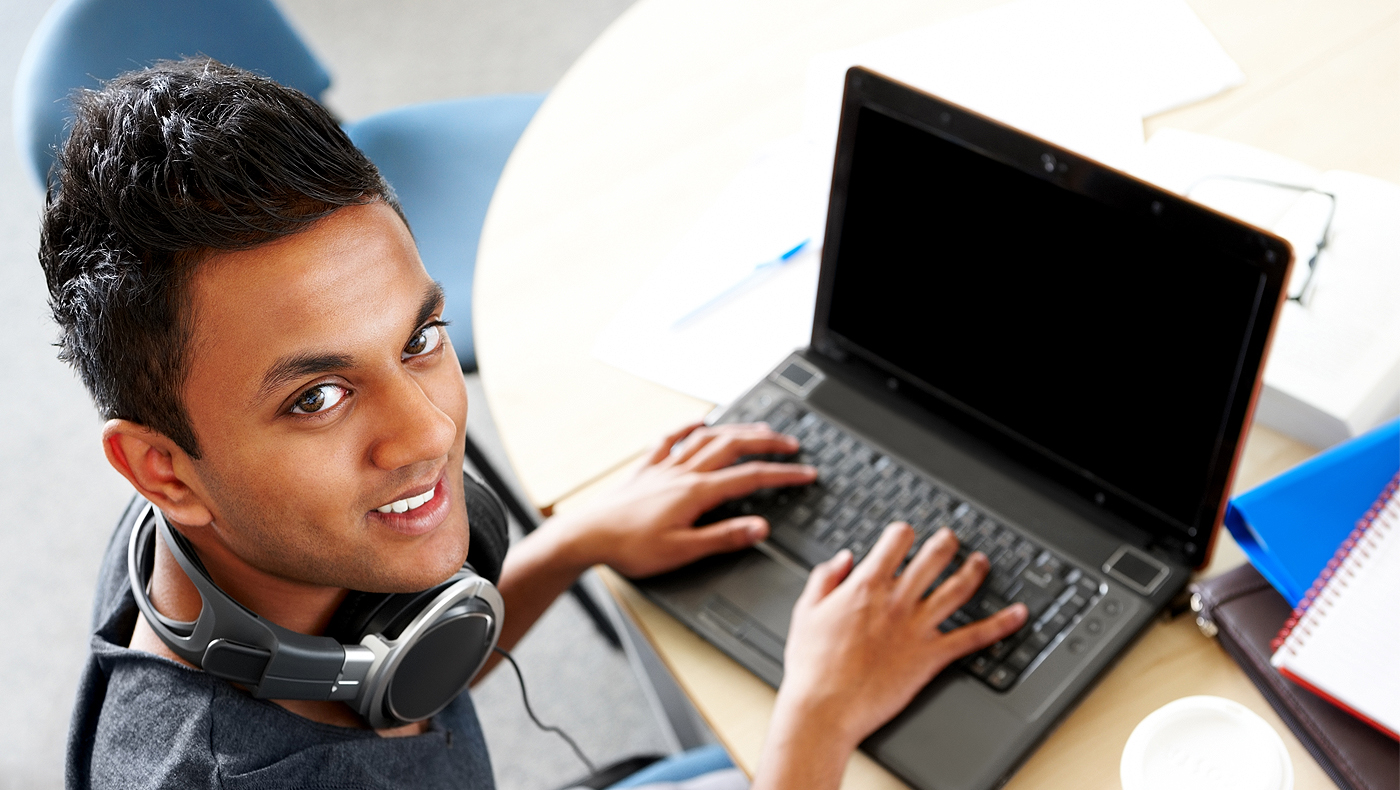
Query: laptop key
903, 506
785, 412
957, 619
1002, 584
981, 665
985, 605
838, 538
847, 516
799, 516
978, 537
1049, 563
863, 537
905, 479
1001, 548
1002, 649
866, 476
1054, 619
1038, 591
1087, 587
1006, 561
964, 529
921, 512
1021, 658
820, 528
1001, 678
1035, 599
1039, 638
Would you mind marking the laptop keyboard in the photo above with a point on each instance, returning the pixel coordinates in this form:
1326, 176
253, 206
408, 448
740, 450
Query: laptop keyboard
860, 490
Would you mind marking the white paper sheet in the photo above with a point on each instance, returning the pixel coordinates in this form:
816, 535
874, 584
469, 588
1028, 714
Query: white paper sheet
1080, 73
722, 352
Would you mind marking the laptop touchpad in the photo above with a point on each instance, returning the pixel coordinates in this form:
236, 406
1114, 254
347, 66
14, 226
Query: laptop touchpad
756, 599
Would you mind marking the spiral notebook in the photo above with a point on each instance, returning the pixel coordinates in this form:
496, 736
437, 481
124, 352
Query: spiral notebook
1346, 631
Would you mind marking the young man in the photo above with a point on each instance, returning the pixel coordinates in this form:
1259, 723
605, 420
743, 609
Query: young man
242, 297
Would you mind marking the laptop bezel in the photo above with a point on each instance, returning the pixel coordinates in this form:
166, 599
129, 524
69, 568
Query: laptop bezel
1269, 253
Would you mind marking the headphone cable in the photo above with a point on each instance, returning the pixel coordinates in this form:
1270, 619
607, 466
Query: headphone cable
524, 697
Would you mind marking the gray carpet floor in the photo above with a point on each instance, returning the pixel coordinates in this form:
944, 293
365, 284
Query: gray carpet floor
60, 498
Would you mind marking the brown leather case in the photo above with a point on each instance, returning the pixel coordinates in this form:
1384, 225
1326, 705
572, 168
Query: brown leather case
1245, 613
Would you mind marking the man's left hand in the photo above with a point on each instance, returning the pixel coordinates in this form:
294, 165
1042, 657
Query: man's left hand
647, 525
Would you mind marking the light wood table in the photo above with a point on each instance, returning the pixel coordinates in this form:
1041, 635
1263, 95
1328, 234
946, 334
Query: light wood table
665, 109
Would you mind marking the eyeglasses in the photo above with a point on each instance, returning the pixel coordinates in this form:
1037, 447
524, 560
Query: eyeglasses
1304, 292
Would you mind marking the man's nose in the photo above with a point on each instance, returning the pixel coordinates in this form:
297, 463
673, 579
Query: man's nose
409, 426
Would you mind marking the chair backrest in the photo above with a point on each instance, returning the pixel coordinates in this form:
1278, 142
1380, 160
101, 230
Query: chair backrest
79, 43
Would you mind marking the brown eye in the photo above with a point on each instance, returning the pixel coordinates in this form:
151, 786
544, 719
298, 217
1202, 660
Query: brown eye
318, 399
311, 400
427, 339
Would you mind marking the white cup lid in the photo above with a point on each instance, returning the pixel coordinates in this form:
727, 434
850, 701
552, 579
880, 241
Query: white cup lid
1205, 743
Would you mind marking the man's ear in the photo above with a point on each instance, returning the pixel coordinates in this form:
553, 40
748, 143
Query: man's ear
157, 467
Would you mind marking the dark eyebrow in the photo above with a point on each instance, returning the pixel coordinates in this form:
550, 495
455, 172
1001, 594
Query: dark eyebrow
433, 300
297, 366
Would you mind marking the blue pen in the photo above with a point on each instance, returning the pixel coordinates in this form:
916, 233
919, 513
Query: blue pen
758, 271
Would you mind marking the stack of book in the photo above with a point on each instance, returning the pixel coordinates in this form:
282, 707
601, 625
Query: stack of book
1315, 621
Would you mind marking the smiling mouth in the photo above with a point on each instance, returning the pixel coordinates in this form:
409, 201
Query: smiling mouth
409, 503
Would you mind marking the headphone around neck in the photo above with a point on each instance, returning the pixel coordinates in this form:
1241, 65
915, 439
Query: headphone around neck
395, 658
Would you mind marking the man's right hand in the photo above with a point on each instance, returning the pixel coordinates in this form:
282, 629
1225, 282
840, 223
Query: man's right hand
862, 643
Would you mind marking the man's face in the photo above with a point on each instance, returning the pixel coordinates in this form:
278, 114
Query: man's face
321, 390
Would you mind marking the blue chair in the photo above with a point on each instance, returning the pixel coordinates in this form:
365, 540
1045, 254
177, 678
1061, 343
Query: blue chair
443, 160
79, 43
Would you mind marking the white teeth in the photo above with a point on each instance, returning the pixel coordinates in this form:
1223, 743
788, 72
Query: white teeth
410, 503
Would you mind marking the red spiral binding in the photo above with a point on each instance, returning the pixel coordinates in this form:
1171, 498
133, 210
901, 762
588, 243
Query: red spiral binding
1363, 524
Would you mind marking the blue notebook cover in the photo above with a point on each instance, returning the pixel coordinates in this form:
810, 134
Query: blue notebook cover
1292, 525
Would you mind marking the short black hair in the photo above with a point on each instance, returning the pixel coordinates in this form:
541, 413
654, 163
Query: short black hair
164, 166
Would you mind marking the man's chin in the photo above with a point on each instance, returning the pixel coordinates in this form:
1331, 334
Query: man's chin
428, 566
411, 578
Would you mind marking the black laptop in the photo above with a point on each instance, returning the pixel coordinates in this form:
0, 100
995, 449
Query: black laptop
1052, 358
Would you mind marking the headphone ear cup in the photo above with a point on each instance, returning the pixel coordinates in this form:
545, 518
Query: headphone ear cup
427, 645
441, 661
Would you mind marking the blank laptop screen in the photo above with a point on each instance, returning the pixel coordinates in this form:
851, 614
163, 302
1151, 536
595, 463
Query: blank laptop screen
1085, 333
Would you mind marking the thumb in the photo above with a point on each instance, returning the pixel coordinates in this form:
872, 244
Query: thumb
728, 535
825, 577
